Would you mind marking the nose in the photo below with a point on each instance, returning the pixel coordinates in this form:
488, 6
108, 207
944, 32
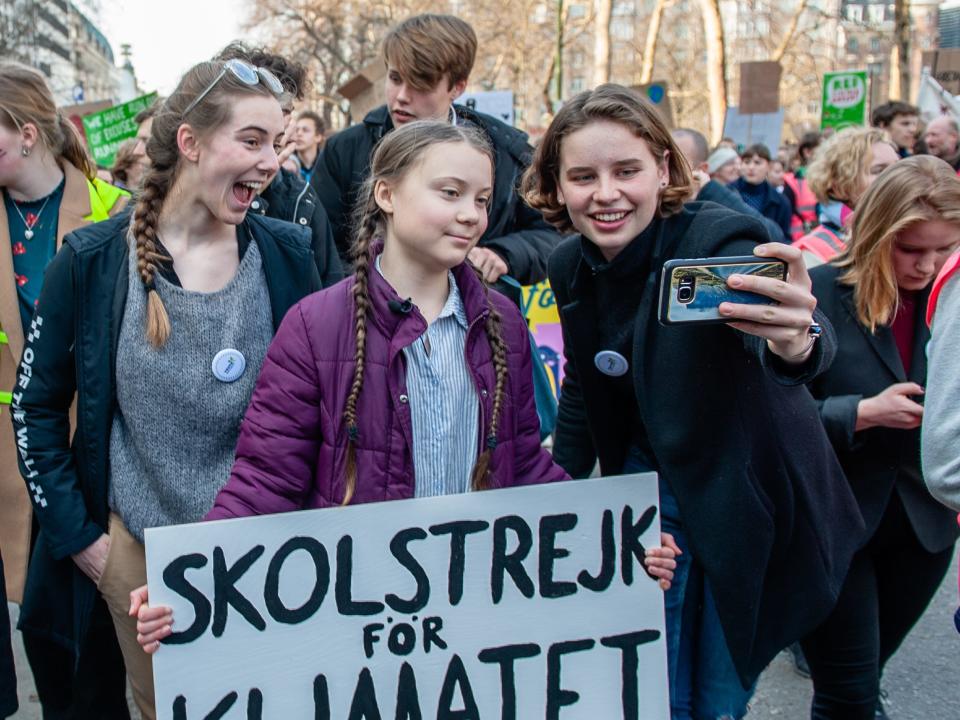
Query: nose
607, 190
927, 262
403, 93
468, 213
269, 162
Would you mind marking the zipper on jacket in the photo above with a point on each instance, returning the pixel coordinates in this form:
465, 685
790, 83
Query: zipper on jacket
482, 427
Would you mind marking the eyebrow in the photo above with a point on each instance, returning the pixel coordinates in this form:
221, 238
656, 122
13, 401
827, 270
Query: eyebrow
618, 163
255, 128
456, 180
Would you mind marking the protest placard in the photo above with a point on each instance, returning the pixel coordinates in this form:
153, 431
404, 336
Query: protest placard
539, 306
528, 602
107, 129
844, 99
498, 103
746, 130
944, 66
759, 87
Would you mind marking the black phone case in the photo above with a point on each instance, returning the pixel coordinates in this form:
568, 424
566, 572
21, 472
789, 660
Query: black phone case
692, 289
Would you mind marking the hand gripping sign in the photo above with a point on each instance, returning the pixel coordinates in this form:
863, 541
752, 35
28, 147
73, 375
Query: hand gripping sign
521, 603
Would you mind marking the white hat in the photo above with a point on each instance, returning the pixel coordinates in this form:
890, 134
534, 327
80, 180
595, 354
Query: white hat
719, 158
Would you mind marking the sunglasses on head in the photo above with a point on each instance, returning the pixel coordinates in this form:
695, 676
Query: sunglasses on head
244, 72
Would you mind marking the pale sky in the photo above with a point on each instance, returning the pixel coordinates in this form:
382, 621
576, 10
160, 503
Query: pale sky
169, 36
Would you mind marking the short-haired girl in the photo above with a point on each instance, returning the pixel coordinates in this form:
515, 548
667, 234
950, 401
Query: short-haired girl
871, 400
158, 321
409, 379
749, 486
757, 192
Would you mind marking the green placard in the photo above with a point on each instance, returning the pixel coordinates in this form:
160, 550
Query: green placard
107, 129
844, 99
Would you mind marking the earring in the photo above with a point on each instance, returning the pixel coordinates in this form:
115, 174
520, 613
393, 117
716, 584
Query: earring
25, 151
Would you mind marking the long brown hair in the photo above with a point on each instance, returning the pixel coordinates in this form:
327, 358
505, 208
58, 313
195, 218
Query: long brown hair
25, 99
613, 103
912, 191
210, 113
395, 156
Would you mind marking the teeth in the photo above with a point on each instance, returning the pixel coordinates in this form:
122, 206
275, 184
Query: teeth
252, 184
610, 217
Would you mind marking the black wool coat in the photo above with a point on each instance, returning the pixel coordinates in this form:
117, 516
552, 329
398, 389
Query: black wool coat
877, 461
734, 432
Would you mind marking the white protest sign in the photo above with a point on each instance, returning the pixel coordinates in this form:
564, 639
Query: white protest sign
498, 103
524, 603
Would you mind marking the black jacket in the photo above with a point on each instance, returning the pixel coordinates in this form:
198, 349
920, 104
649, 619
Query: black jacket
516, 232
732, 430
775, 206
289, 198
878, 460
722, 195
72, 352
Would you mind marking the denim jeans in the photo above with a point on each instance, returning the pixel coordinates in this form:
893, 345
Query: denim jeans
703, 682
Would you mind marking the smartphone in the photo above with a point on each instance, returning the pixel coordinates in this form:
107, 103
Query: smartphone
691, 290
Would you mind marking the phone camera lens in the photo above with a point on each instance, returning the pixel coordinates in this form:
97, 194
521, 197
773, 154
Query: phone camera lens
685, 289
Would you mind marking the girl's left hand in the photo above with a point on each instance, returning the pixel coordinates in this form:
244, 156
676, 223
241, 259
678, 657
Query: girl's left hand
786, 326
660, 562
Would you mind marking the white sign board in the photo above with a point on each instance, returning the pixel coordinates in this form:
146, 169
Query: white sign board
498, 103
747, 130
525, 603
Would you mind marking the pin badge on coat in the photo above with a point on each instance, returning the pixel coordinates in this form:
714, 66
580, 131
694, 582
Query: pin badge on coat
611, 363
228, 365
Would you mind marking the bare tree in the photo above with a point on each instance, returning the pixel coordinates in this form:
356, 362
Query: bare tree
790, 33
18, 23
650, 46
900, 68
601, 48
716, 70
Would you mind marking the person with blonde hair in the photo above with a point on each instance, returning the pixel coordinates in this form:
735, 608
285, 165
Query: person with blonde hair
158, 322
871, 403
842, 170
50, 188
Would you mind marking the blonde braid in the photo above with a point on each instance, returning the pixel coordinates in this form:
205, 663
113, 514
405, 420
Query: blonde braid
366, 232
480, 477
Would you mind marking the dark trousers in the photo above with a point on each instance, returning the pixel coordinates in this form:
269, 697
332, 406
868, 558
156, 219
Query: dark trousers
890, 583
95, 688
8, 676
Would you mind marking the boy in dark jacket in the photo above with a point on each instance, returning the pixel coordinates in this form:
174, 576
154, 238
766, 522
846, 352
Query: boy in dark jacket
429, 58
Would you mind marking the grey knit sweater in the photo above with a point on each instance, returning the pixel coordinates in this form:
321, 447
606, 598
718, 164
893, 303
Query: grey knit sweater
176, 425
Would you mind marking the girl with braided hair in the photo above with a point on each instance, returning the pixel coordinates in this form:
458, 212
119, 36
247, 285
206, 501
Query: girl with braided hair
366, 396
158, 320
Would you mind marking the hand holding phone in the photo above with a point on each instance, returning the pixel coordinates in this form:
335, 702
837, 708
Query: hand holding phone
785, 316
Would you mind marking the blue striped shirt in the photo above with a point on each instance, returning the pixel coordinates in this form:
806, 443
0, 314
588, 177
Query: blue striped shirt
444, 408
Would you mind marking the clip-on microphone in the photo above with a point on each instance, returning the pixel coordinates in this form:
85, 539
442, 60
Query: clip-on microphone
401, 308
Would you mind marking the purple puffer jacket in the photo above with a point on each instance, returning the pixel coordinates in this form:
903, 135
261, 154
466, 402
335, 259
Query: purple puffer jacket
292, 447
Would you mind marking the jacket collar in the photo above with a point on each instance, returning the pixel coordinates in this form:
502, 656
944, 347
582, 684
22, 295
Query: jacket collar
883, 343
404, 327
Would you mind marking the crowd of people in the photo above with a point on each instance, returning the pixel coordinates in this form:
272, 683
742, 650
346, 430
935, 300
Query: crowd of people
257, 318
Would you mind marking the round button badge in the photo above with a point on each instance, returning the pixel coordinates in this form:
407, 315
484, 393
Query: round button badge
228, 365
611, 363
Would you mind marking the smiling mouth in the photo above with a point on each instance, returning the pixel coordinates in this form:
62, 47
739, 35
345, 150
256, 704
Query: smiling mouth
610, 217
403, 114
245, 191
